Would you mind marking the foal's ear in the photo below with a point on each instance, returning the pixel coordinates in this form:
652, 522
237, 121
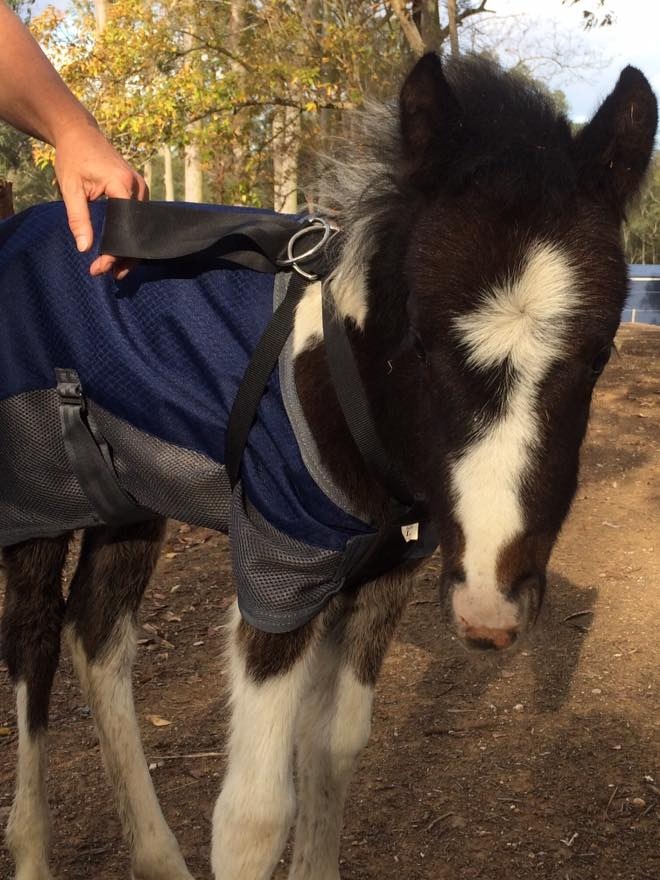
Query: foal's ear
428, 109
615, 148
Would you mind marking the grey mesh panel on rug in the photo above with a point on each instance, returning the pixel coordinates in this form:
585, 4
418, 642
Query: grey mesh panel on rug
281, 583
38, 489
179, 483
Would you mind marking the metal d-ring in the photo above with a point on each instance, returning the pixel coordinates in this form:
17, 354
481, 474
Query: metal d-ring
314, 224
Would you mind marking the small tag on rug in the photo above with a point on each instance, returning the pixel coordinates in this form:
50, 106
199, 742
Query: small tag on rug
410, 532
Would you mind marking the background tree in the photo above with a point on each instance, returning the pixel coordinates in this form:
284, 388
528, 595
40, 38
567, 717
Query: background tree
256, 89
641, 233
597, 16
28, 182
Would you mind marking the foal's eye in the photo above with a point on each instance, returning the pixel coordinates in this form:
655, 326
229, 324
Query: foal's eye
599, 362
420, 350
418, 347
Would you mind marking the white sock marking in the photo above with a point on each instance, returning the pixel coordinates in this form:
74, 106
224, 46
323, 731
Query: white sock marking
333, 728
29, 826
106, 682
256, 806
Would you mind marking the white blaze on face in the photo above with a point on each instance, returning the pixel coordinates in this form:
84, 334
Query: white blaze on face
525, 321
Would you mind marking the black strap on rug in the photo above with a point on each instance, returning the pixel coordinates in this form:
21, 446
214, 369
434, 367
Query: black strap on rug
90, 457
349, 388
255, 379
167, 231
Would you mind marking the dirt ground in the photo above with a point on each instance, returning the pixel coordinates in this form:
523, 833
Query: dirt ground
543, 764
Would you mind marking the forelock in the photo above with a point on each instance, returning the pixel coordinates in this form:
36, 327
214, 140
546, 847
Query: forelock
524, 321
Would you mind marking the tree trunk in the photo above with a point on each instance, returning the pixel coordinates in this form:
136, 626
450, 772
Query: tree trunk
101, 14
192, 170
285, 146
237, 159
6, 200
168, 175
148, 173
287, 129
409, 28
192, 163
430, 25
453, 27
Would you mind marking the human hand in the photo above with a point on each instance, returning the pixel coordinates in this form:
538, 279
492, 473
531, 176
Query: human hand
87, 167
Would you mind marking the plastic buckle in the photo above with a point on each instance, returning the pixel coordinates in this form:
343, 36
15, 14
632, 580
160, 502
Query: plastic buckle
69, 389
313, 225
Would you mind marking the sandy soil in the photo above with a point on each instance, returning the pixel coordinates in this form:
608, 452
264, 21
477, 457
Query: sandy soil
544, 764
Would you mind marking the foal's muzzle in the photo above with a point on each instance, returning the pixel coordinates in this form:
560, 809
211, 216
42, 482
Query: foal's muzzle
492, 618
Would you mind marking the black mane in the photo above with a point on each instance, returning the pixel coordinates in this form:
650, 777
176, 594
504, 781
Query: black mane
512, 144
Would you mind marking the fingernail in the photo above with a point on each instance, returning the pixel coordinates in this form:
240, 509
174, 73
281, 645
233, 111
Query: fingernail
81, 242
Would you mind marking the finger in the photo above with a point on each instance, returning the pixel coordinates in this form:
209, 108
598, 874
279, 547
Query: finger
102, 264
142, 192
118, 266
77, 213
117, 189
123, 267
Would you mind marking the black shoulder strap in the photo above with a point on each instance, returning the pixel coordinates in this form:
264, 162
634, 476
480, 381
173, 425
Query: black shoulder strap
347, 382
254, 381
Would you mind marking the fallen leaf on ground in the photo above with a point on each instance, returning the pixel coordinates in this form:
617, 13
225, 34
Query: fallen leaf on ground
157, 721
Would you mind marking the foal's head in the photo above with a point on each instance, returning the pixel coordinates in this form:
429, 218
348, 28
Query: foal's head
502, 230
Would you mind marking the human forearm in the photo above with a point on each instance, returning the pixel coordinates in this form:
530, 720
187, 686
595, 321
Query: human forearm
33, 98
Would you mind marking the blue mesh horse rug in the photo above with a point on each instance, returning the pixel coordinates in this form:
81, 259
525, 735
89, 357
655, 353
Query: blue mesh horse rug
114, 403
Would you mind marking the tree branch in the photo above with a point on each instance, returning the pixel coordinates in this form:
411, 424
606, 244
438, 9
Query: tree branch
409, 28
412, 32
213, 47
270, 102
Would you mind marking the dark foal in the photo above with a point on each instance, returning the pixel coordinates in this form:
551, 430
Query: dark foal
481, 277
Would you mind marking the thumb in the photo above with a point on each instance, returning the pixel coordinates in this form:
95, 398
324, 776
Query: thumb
77, 212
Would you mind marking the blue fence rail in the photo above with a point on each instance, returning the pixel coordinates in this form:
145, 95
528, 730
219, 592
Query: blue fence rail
643, 303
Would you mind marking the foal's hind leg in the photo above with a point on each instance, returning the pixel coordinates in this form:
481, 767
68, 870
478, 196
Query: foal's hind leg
335, 721
114, 569
255, 809
31, 645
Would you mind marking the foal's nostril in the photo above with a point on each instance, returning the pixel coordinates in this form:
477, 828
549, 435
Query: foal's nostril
484, 638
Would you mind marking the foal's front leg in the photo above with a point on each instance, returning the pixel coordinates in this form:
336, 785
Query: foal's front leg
335, 721
333, 728
114, 569
31, 625
256, 806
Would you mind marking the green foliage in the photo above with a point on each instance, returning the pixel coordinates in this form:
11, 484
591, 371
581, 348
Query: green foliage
31, 184
215, 71
158, 67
